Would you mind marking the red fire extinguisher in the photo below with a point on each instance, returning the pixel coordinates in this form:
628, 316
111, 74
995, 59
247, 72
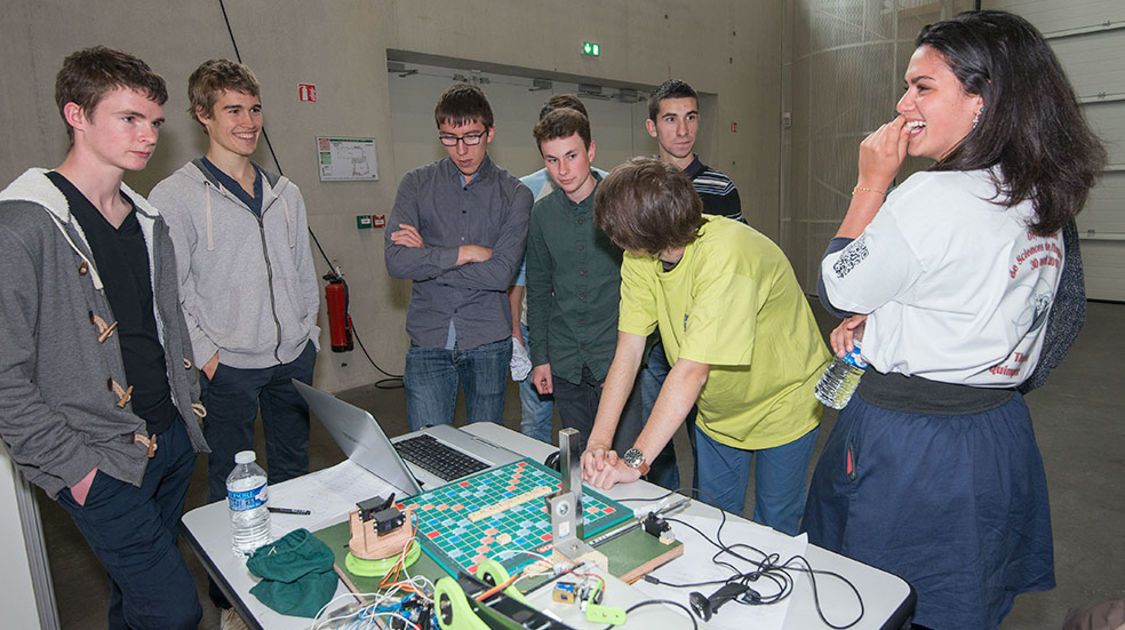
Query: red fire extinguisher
339, 322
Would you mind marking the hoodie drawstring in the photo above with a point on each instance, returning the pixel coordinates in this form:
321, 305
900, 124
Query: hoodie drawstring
289, 225
210, 231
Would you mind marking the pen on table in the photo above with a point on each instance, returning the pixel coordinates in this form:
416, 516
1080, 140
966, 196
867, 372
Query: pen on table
283, 510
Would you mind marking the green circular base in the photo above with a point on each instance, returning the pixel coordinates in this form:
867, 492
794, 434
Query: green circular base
379, 568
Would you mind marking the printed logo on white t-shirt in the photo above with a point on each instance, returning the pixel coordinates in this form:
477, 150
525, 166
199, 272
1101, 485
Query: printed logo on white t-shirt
851, 256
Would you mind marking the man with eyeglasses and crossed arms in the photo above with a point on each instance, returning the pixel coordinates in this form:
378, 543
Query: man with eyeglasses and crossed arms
458, 231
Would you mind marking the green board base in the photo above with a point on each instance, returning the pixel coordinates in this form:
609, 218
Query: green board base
630, 556
379, 568
337, 537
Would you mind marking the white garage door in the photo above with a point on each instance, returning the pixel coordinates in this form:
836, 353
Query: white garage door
1089, 39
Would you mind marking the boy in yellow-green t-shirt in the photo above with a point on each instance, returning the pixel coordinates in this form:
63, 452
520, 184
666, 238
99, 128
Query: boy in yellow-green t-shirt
738, 331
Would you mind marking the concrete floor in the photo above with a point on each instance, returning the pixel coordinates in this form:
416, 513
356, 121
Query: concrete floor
1078, 421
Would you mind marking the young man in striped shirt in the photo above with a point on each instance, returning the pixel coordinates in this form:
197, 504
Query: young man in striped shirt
673, 119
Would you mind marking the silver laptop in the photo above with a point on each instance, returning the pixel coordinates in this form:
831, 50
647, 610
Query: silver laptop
361, 438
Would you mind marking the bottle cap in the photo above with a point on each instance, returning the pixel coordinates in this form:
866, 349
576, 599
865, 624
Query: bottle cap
245, 457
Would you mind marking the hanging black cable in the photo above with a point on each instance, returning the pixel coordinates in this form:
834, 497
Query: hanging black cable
395, 380
237, 55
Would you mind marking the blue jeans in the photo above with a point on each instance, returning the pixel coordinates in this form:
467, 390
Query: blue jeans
663, 470
536, 410
434, 375
133, 533
232, 398
780, 474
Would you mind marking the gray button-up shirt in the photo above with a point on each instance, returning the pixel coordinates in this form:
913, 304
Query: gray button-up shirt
492, 211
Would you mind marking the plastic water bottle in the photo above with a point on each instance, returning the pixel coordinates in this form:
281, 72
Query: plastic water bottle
248, 502
840, 379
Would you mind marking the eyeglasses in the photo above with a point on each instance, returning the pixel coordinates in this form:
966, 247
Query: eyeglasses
470, 139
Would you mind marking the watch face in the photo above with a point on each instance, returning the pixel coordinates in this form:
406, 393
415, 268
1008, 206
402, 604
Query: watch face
634, 457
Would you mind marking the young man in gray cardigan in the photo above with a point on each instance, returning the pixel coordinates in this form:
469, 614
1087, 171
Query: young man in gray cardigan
98, 398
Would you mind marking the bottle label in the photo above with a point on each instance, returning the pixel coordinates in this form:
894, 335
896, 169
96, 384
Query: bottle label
241, 501
854, 359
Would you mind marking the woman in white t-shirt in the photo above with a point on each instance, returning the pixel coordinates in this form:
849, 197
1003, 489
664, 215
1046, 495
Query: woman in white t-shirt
962, 282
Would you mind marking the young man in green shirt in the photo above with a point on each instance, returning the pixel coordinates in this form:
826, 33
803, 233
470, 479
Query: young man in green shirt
573, 281
740, 336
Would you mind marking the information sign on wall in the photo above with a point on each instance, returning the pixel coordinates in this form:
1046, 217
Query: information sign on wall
347, 159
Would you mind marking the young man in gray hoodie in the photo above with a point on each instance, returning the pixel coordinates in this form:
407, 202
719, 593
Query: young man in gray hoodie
98, 395
247, 281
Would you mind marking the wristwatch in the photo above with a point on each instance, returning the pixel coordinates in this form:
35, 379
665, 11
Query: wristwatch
635, 459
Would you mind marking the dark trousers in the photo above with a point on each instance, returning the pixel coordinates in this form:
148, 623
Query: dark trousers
133, 533
578, 406
233, 397
664, 470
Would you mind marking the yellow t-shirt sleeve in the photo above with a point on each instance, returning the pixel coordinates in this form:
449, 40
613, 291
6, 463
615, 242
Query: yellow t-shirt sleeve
637, 313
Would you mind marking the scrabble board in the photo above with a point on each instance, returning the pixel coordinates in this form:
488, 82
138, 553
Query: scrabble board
500, 510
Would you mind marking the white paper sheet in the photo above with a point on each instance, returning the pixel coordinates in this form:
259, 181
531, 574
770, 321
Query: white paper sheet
698, 566
329, 494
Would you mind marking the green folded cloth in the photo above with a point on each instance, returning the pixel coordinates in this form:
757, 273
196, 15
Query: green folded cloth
296, 574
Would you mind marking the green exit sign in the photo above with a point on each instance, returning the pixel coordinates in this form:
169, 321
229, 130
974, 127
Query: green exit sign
592, 49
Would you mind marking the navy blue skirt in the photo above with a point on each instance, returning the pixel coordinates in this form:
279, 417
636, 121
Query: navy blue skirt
956, 504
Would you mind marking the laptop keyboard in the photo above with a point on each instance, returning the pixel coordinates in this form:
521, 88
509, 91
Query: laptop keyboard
443, 461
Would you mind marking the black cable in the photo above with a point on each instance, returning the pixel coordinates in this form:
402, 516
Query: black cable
768, 568
652, 602
395, 380
659, 498
230, 32
651, 579
816, 597
265, 134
